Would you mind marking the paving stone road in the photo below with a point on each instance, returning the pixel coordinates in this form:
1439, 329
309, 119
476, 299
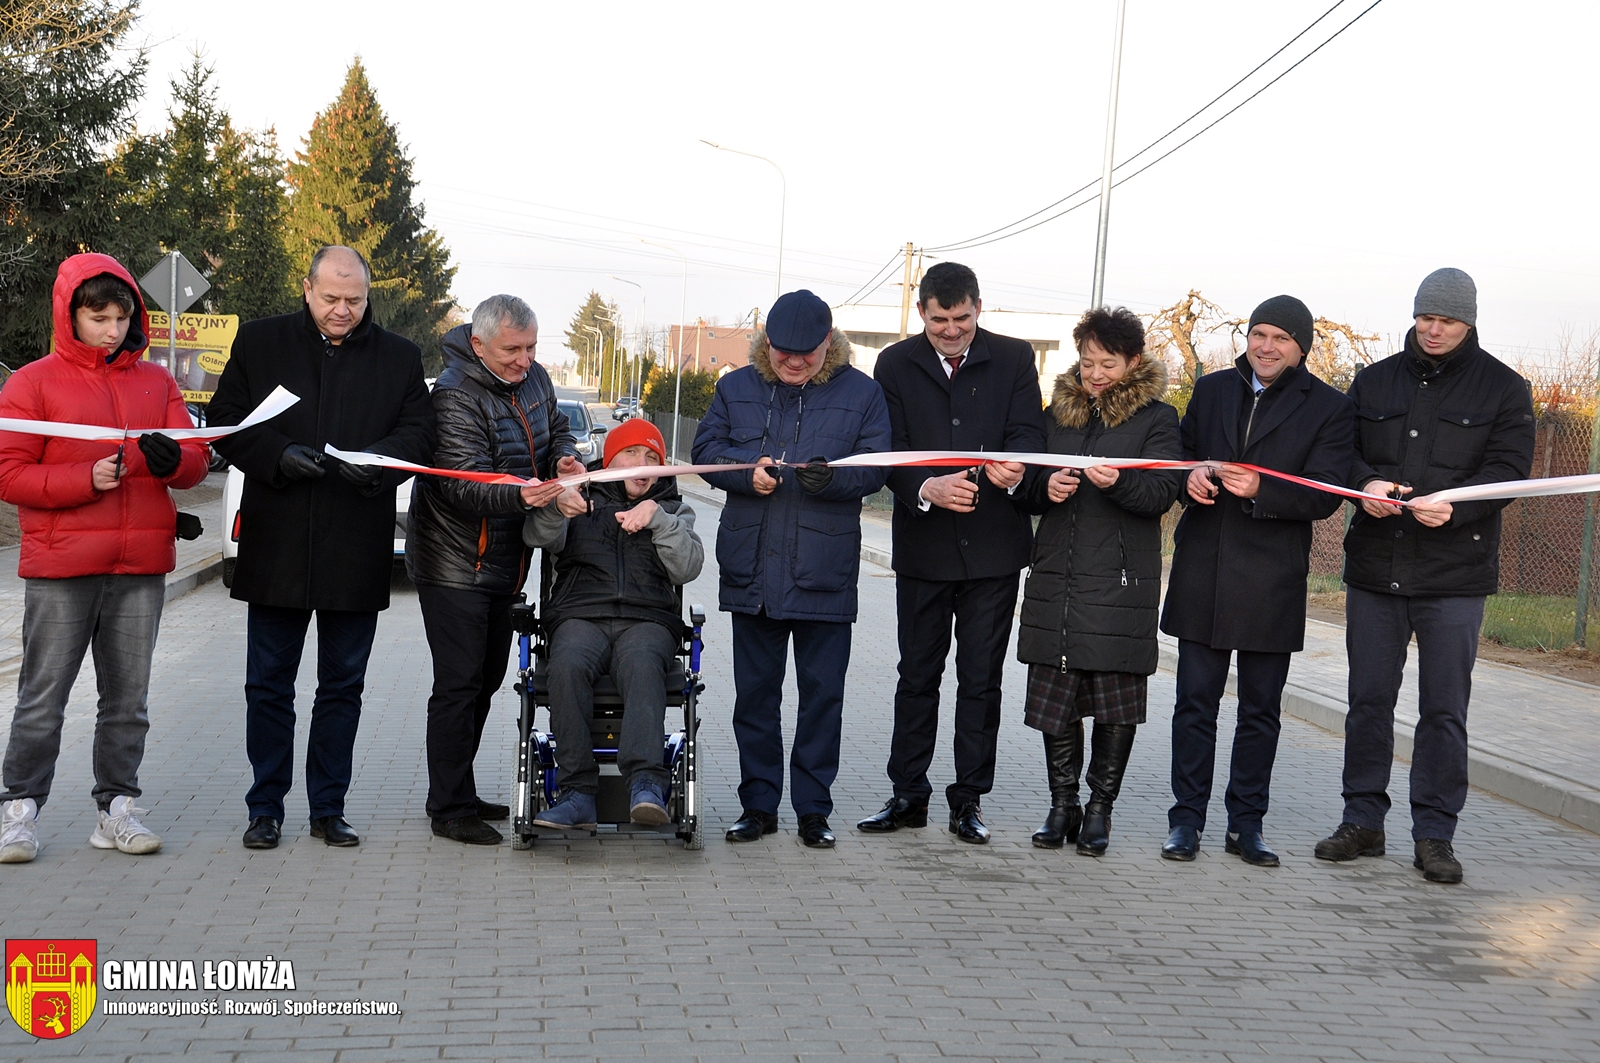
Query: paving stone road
907, 947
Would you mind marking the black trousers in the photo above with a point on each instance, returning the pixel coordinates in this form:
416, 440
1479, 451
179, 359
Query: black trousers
469, 634
1202, 676
982, 610
1378, 630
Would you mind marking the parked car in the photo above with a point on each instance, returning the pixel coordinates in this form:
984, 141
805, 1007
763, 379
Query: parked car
197, 414
233, 491
626, 407
585, 430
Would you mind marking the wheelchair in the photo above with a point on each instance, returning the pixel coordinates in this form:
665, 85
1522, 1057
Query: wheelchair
538, 785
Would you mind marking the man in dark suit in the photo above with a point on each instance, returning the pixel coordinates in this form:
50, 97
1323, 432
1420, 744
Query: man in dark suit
959, 540
1238, 581
311, 539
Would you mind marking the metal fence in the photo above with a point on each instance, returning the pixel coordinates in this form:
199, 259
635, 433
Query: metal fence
687, 427
1541, 547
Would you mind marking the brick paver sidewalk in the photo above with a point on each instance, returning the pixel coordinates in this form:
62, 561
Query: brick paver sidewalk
912, 946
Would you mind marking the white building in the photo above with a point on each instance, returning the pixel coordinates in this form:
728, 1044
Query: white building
872, 328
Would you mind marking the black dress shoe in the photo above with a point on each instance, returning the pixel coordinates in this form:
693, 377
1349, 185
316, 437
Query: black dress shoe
1251, 847
752, 825
897, 813
1182, 844
333, 830
966, 823
814, 831
468, 830
490, 810
263, 833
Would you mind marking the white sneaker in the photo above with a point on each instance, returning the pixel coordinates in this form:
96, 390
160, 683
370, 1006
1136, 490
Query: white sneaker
19, 835
120, 829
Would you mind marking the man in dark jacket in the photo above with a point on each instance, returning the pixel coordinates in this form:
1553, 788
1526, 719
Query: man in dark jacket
496, 411
960, 540
789, 550
1238, 579
620, 556
309, 541
1442, 413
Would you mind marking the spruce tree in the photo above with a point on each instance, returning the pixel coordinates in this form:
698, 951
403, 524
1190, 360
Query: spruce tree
216, 194
351, 184
68, 90
596, 356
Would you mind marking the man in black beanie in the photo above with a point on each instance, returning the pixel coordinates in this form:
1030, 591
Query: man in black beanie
1238, 582
1441, 413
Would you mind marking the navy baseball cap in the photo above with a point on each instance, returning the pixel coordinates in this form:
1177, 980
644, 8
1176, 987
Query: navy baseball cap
798, 322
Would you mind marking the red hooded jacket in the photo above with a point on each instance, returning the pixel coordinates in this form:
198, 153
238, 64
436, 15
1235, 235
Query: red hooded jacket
69, 528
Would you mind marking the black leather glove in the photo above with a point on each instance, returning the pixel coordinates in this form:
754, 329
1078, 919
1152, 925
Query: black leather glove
814, 476
300, 462
367, 478
161, 454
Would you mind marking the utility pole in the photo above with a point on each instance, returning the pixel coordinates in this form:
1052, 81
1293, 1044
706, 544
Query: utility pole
1098, 298
905, 294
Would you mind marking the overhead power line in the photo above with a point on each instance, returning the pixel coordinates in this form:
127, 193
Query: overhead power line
1005, 232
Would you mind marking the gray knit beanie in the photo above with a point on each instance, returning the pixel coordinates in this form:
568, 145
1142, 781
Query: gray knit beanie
1447, 293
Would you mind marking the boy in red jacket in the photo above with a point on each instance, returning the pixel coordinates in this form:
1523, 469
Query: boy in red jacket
97, 542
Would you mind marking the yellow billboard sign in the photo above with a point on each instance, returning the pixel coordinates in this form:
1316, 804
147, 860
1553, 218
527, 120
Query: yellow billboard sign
204, 342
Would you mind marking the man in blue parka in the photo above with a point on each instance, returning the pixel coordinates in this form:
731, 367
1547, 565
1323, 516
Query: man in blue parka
789, 549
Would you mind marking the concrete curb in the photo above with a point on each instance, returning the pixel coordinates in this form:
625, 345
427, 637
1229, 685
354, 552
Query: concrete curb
186, 579
1487, 768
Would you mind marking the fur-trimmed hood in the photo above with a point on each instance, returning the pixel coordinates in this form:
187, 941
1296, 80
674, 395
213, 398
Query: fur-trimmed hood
838, 355
1071, 404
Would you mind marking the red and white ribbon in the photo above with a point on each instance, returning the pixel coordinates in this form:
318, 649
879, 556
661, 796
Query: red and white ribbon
1557, 485
636, 472
270, 407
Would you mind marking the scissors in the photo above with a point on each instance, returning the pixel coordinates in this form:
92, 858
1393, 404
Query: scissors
122, 449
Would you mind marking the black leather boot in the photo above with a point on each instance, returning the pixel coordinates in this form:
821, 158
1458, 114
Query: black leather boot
1110, 745
1063, 762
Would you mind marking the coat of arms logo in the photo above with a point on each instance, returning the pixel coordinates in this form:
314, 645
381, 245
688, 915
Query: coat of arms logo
50, 985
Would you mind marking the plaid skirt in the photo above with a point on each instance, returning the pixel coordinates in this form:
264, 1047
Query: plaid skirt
1057, 699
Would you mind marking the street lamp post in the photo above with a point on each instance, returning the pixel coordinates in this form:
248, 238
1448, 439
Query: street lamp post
1105, 173
683, 305
594, 358
616, 348
644, 336
783, 202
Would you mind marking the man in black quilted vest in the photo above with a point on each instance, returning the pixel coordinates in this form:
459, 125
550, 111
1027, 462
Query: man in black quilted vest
496, 411
620, 556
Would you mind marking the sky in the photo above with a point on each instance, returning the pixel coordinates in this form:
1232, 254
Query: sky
552, 140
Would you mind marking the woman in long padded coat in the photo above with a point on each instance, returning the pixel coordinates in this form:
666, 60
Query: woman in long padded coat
1089, 608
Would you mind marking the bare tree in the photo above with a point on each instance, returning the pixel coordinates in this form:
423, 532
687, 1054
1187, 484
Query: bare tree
38, 37
1338, 352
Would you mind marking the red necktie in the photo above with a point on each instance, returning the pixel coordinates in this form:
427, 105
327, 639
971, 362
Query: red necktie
955, 363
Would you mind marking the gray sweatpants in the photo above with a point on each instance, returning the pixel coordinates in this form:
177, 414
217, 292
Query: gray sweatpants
636, 653
117, 616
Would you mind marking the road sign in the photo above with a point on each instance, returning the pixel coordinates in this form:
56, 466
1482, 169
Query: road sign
174, 283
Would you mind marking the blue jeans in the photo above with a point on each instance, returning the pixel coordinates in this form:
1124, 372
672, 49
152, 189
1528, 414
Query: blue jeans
277, 637
117, 616
760, 657
1378, 630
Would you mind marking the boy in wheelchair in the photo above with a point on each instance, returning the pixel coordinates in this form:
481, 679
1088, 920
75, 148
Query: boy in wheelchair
619, 558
